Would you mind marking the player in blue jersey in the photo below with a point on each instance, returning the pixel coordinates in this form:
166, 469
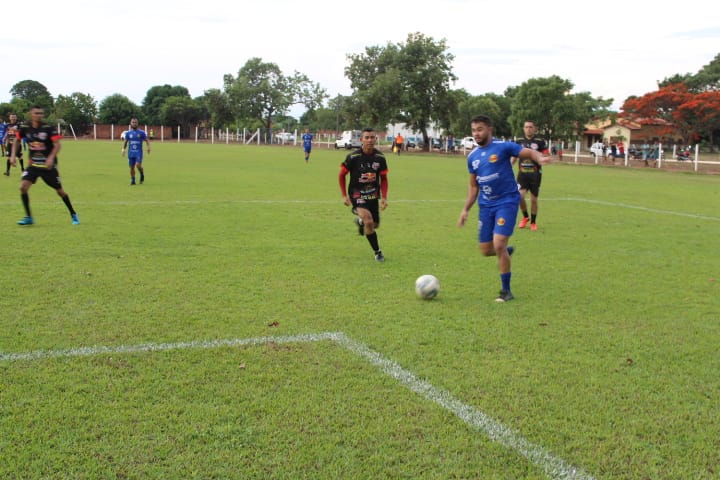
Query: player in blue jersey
135, 138
307, 139
493, 186
3, 129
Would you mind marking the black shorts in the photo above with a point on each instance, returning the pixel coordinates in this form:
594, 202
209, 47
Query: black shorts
530, 182
51, 176
372, 205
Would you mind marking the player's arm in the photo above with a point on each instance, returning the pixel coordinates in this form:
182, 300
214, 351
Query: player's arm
50, 160
383, 189
14, 147
473, 190
343, 186
122, 152
540, 157
147, 140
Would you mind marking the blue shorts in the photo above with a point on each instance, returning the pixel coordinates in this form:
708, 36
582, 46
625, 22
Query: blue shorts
308, 149
133, 160
498, 219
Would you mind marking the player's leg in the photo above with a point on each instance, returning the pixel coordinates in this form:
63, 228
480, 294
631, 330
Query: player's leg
25, 185
534, 194
52, 179
131, 163
140, 168
369, 214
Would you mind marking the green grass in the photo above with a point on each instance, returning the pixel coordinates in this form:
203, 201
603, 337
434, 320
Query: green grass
607, 359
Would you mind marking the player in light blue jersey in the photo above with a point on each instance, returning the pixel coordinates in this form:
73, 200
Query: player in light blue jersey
307, 139
493, 186
135, 138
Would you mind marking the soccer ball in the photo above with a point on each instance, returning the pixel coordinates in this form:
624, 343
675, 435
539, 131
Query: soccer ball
427, 287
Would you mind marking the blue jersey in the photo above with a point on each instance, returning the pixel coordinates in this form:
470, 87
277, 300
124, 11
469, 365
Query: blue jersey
492, 167
135, 139
3, 130
307, 139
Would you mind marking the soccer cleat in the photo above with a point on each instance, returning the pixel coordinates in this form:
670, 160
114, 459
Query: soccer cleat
533, 227
361, 227
505, 296
524, 222
379, 256
75, 219
26, 221
7, 174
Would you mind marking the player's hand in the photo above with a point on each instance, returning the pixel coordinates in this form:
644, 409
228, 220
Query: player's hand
463, 218
122, 152
49, 162
383, 204
12, 161
545, 159
346, 201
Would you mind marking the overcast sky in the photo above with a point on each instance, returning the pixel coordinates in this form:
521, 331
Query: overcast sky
103, 48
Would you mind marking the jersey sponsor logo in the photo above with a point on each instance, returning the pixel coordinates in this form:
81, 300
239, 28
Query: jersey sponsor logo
368, 177
493, 158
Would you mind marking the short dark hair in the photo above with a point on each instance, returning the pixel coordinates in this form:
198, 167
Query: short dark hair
482, 119
368, 129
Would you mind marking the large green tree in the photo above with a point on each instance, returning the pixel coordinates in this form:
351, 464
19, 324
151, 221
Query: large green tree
33, 93
77, 109
217, 105
117, 109
404, 83
155, 99
181, 111
262, 92
556, 112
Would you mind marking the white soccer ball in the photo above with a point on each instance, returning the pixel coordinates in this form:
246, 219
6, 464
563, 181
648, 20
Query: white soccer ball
427, 287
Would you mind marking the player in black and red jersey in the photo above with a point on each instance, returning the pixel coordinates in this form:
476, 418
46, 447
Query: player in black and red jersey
368, 187
43, 146
530, 175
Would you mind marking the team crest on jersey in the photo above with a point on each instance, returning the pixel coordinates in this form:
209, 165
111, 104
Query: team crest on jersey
375, 165
42, 136
493, 158
501, 221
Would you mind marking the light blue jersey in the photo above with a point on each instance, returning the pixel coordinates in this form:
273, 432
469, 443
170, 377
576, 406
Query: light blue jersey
492, 167
135, 139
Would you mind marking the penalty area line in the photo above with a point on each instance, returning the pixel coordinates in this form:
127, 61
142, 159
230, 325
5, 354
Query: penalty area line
553, 466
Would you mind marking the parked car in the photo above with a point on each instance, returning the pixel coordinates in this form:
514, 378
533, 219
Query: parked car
284, 137
597, 149
467, 143
349, 139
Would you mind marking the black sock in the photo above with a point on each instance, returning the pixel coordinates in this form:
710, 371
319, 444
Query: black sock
372, 238
525, 215
7, 163
26, 203
22, 165
66, 201
533, 217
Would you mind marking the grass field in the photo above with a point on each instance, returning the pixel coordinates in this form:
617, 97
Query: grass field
225, 320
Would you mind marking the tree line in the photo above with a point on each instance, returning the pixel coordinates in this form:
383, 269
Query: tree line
407, 82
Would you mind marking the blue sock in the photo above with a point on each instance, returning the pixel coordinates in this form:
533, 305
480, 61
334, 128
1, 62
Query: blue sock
505, 279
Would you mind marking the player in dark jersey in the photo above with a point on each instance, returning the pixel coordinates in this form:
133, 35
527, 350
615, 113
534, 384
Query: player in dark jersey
530, 175
307, 139
43, 146
492, 185
11, 129
368, 188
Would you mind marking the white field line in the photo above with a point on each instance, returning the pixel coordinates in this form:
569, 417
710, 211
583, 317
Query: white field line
637, 207
554, 467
